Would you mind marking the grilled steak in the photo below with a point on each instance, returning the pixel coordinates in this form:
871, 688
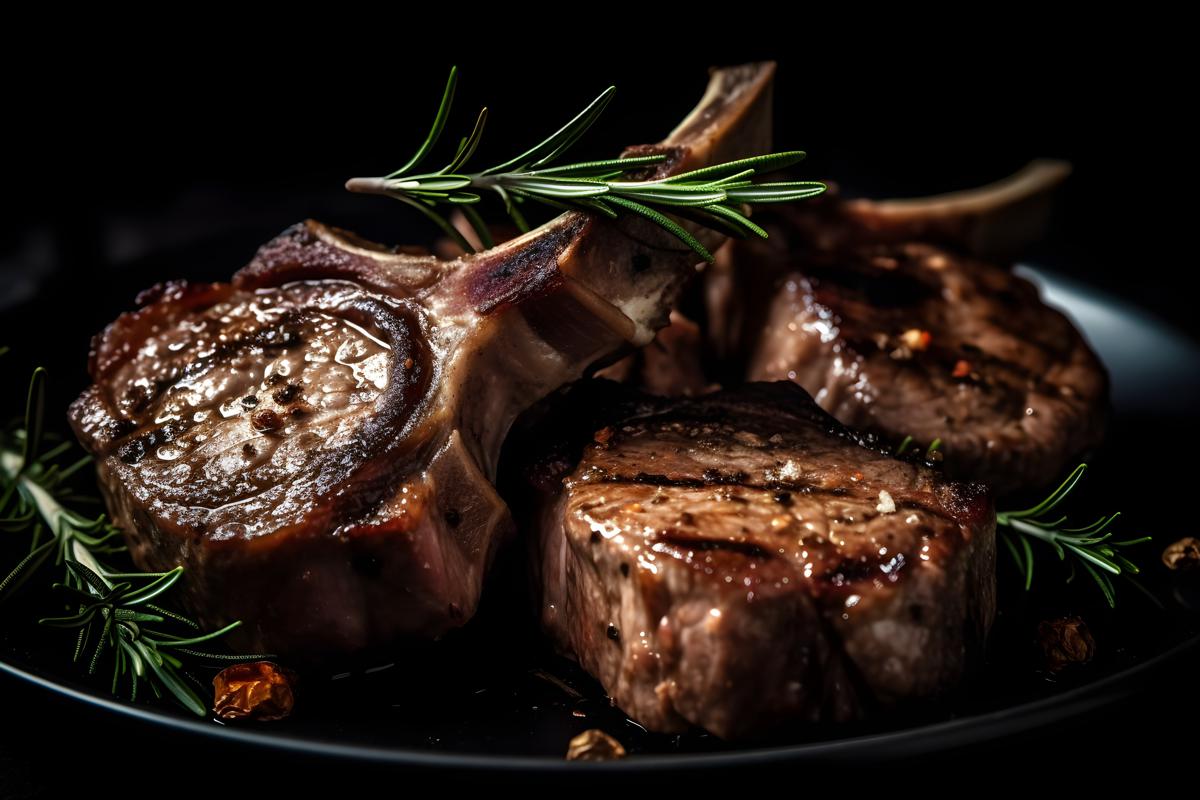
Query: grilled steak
900, 337
742, 560
315, 442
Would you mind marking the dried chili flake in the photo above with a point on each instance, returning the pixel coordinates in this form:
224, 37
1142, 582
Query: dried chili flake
961, 369
1064, 642
1182, 555
256, 690
594, 745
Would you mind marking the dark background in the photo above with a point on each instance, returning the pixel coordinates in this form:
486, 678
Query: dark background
121, 148
162, 142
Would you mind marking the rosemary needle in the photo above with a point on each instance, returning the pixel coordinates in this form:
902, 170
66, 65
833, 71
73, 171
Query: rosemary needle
1091, 547
116, 615
713, 196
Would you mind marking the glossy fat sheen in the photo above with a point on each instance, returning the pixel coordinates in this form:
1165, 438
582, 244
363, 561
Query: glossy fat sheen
246, 406
738, 561
286, 445
316, 441
1006, 383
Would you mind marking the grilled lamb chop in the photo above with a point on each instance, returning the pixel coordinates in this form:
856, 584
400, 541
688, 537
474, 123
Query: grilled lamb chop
741, 560
316, 441
901, 337
995, 222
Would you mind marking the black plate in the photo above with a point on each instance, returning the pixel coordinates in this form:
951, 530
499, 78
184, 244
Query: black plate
493, 697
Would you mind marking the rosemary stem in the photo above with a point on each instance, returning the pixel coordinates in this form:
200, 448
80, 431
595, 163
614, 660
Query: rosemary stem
1052, 538
367, 185
110, 610
57, 518
48, 508
84, 556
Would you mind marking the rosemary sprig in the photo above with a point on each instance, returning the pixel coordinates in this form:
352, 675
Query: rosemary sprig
1092, 546
114, 615
715, 196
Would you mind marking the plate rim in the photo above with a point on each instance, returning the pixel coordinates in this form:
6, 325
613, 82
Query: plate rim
959, 731
944, 734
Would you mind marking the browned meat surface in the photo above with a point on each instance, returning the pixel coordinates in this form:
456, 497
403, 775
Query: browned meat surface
740, 560
316, 441
900, 337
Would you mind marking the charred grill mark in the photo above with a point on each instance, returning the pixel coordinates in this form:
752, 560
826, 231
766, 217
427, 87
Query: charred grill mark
1018, 377
271, 339
848, 282
369, 455
285, 334
380, 437
654, 480
135, 450
168, 301
1005, 380
280, 335
716, 476
675, 538
855, 290
782, 491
